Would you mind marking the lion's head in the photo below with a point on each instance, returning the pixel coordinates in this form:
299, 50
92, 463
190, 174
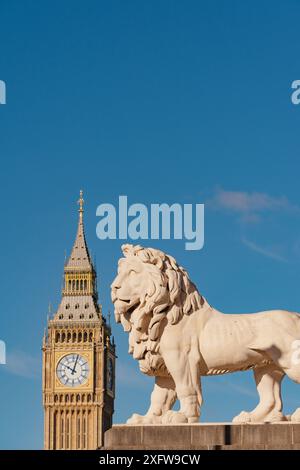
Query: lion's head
151, 290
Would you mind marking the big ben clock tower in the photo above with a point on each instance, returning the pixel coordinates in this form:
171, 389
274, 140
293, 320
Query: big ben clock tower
78, 359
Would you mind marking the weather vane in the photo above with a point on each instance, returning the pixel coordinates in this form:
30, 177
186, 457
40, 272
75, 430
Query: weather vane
80, 201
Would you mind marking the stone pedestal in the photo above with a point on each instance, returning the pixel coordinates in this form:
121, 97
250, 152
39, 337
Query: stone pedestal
206, 436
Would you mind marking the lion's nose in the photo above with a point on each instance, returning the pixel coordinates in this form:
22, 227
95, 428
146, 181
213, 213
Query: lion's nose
115, 285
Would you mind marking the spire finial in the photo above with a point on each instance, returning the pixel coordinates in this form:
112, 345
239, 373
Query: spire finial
80, 203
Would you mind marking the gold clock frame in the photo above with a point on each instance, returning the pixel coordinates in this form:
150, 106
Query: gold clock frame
86, 386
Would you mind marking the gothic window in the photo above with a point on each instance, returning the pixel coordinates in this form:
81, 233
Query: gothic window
62, 434
79, 336
70, 284
81, 284
57, 337
85, 284
81, 316
74, 337
63, 337
77, 306
86, 305
70, 316
73, 285
91, 336
89, 425
91, 315
67, 306
77, 285
84, 429
78, 432
67, 431
68, 337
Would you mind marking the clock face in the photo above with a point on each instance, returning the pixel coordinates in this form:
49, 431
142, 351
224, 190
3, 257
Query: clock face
72, 370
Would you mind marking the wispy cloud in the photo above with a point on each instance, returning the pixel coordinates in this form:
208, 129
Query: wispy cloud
249, 205
261, 211
22, 364
269, 253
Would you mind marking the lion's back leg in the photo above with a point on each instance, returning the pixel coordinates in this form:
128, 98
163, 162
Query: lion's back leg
289, 361
269, 409
293, 373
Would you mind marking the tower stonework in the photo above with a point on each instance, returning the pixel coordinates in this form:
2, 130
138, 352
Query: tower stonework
78, 359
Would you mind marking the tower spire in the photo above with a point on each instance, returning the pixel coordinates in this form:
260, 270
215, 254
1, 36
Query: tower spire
80, 256
80, 202
79, 292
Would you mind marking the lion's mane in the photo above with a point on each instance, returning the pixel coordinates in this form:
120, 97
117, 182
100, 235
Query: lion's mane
170, 295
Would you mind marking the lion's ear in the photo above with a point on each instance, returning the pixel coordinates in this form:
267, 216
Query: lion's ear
157, 261
152, 256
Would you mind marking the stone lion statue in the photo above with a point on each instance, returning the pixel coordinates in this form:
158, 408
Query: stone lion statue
177, 337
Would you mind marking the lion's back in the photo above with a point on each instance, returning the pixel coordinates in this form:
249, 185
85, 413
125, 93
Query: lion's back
243, 339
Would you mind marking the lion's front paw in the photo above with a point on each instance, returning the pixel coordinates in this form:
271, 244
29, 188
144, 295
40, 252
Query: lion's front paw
243, 417
275, 417
174, 417
135, 419
296, 416
144, 419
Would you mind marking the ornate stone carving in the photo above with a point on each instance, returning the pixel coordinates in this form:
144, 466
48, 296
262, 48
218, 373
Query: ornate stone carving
177, 337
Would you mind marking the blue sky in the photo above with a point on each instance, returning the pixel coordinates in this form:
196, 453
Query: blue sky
163, 101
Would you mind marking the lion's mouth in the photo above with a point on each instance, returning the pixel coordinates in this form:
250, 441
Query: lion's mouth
133, 308
130, 305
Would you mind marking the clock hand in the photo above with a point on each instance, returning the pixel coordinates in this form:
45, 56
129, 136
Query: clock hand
74, 368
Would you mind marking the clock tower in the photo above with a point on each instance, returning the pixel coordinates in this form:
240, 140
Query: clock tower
78, 359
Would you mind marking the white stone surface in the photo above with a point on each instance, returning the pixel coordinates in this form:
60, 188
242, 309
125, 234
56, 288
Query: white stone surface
177, 337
